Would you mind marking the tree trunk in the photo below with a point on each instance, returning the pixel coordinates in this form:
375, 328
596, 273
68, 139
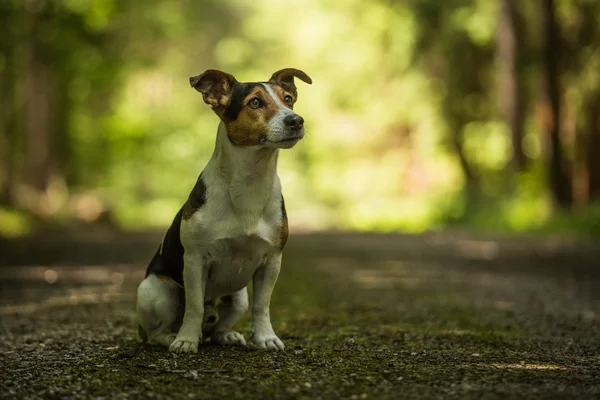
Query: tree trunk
5, 150
593, 156
560, 183
9, 112
510, 88
472, 184
61, 143
37, 145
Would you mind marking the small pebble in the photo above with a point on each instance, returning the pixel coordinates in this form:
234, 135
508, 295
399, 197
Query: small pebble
191, 374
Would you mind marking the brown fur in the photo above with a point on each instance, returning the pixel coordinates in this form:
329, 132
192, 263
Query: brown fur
215, 87
281, 92
251, 124
285, 78
283, 233
283, 229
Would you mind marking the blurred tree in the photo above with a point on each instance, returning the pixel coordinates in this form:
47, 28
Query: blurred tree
593, 154
582, 43
450, 52
407, 128
41, 65
9, 108
560, 183
510, 76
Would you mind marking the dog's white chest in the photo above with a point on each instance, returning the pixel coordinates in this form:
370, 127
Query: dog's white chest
233, 246
233, 262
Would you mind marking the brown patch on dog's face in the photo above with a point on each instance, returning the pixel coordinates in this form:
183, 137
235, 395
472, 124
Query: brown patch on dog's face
251, 125
286, 96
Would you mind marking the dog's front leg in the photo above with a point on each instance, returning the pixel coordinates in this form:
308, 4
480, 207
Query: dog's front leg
263, 283
195, 274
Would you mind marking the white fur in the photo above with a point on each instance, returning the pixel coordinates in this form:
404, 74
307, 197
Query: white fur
157, 309
277, 129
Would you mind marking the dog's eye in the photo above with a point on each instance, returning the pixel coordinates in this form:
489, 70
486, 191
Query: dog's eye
254, 103
288, 99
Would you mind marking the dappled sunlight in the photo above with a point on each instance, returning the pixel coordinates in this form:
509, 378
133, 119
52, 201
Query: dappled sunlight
13, 223
478, 249
524, 365
81, 274
50, 276
385, 278
76, 297
38, 288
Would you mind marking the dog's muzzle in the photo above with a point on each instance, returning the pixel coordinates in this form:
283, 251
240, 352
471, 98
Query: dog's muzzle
286, 130
294, 125
294, 122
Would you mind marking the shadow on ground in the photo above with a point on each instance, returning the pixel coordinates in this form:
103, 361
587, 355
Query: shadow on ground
363, 316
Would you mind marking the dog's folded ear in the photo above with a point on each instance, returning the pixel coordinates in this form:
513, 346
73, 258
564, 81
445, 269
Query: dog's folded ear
216, 87
285, 78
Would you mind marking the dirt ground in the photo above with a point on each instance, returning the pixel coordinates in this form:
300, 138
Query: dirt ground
445, 315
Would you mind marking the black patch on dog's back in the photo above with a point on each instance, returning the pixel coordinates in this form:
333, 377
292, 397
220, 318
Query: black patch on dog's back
238, 94
168, 260
196, 199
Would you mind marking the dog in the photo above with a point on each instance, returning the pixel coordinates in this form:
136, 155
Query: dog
233, 227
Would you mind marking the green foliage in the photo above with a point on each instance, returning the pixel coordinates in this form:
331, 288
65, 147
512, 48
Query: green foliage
13, 223
398, 88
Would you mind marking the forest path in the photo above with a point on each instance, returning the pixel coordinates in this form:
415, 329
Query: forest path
362, 316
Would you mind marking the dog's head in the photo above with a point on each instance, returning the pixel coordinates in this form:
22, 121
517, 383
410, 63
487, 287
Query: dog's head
255, 113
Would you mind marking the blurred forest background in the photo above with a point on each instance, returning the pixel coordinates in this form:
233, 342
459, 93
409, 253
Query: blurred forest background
423, 114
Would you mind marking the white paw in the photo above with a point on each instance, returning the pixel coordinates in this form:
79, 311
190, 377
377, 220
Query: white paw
229, 338
184, 345
163, 339
268, 342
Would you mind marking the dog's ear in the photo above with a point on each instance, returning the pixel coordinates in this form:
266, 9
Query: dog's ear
216, 87
285, 78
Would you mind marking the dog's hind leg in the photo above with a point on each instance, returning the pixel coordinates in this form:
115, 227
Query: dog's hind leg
158, 309
231, 310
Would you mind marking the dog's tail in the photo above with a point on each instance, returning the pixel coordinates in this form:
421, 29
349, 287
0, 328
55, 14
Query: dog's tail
211, 317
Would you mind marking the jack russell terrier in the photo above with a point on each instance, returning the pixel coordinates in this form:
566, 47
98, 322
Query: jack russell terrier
233, 226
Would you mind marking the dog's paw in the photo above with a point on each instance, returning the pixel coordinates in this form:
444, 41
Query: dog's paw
162, 339
228, 338
184, 345
268, 342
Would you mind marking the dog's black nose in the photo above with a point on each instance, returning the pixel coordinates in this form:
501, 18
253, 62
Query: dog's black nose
294, 121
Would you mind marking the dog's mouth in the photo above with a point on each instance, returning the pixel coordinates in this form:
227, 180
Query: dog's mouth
289, 141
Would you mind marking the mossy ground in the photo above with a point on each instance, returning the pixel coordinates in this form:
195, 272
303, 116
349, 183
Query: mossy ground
362, 317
